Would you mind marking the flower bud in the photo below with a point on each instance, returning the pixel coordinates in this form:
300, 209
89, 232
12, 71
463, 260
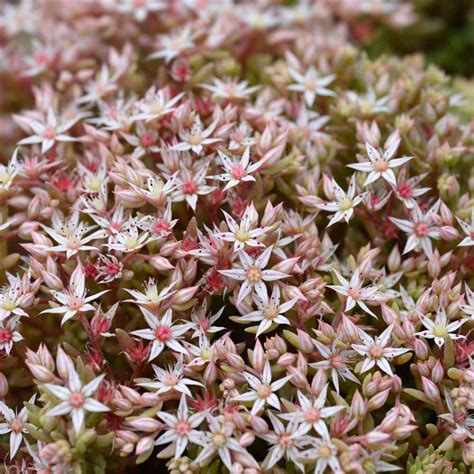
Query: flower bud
144, 445
430, 389
3, 386
378, 400
146, 424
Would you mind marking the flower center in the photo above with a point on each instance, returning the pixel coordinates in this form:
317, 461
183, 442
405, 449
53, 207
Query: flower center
271, 311
312, 415
336, 361
405, 190
285, 440
264, 391
195, 138
440, 330
421, 229
238, 171
325, 451
353, 293
147, 140
182, 428
5, 335
75, 303
8, 304
254, 275
189, 187
375, 352
163, 333
380, 165
17, 425
242, 235
219, 439
76, 399
345, 204
49, 133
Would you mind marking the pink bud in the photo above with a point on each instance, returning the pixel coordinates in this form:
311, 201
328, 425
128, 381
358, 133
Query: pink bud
40, 373
258, 424
144, 445
286, 266
247, 439
378, 400
162, 264
358, 406
258, 357
318, 382
130, 394
421, 349
438, 372
184, 295
448, 233
146, 424
430, 389
286, 359
64, 364
305, 344
298, 378
3, 385
376, 437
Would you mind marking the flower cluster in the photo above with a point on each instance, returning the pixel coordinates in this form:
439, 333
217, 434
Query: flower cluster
230, 242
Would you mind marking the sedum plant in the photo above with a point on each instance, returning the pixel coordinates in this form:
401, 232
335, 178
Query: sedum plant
230, 242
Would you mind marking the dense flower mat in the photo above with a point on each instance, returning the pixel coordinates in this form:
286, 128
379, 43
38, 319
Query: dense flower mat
229, 241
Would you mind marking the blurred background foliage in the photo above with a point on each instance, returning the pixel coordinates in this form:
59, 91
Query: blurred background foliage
443, 32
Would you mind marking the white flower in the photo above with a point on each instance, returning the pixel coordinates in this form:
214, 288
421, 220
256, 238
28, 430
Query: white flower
197, 137
71, 235
129, 239
47, 132
440, 328
468, 229
173, 44
162, 333
355, 293
76, 399
406, 189
8, 173
335, 360
376, 352
345, 202
380, 162
15, 424
8, 334
369, 103
230, 89
152, 297
74, 300
270, 311
311, 84
420, 229
190, 187
324, 452
181, 428
262, 390
170, 379
237, 172
311, 413
243, 233
156, 104
253, 274
141, 9
286, 441
219, 440
468, 308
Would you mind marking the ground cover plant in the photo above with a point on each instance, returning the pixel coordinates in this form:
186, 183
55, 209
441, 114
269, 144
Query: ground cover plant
231, 242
